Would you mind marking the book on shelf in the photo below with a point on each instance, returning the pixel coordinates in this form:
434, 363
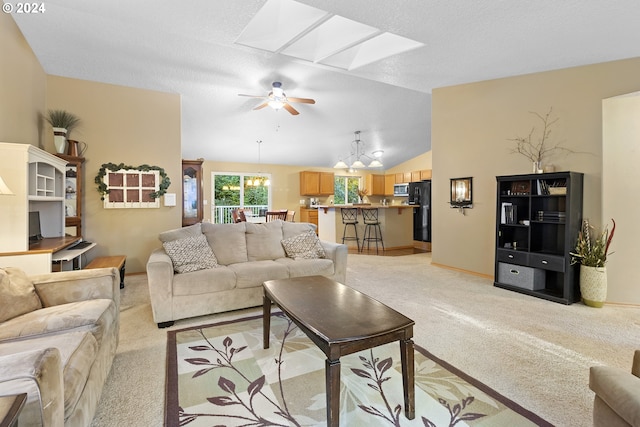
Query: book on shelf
509, 213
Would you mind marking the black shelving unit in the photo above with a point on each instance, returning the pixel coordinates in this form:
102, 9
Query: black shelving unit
538, 218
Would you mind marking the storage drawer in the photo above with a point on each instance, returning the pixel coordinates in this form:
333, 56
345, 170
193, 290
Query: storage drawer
548, 262
521, 276
515, 257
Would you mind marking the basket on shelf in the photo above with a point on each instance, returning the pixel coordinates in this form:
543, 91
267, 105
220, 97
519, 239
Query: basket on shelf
558, 190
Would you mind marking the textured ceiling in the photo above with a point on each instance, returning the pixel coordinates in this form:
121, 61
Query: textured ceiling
188, 47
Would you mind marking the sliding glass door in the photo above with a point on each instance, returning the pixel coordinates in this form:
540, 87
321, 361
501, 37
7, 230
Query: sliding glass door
231, 191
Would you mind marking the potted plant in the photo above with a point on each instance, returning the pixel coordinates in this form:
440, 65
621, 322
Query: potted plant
591, 252
63, 122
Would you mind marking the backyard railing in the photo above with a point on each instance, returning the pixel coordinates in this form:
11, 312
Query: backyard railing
222, 214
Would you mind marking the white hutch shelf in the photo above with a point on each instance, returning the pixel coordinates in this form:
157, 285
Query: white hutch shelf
37, 180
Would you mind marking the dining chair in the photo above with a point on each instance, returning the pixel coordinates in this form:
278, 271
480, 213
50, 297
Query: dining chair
238, 215
291, 215
271, 216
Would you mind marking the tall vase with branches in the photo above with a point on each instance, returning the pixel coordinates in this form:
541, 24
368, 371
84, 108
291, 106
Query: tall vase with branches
540, 149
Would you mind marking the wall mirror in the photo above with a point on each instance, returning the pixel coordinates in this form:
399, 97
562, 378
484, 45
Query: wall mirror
461, 192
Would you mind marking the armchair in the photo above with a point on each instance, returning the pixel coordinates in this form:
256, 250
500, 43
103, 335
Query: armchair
60, 351
617, 399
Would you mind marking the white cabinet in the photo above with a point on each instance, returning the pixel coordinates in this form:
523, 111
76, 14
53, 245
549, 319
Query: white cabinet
37, 180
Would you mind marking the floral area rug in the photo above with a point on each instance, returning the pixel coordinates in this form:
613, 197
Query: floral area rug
219, 375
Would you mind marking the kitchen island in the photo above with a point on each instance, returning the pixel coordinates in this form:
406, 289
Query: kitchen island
396, 223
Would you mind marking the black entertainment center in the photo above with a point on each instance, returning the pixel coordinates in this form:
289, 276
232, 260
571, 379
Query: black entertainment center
538, 218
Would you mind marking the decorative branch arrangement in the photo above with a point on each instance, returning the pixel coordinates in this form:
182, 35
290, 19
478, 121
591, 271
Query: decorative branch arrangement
540, 149
165, 182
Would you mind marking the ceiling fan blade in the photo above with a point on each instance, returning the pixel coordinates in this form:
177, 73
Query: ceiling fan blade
301, 100
290, 109
261, 106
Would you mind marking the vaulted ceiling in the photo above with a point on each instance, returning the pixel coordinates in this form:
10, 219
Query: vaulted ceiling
189, 47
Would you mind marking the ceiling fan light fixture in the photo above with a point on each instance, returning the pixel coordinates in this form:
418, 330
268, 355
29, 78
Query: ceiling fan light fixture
276, 105
378, 153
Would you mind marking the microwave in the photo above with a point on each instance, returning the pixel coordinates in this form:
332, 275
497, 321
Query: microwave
400, 190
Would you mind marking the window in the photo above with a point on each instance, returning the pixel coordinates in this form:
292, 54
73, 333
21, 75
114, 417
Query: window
345, 189
233, 191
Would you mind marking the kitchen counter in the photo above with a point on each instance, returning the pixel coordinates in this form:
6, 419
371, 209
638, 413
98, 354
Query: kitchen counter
396, 223
367, 205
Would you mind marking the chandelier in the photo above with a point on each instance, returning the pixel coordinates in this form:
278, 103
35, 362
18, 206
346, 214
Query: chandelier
258, 180
354, 159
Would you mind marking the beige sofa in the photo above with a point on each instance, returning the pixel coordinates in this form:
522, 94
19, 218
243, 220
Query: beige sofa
58, 338
235, 260
617, 400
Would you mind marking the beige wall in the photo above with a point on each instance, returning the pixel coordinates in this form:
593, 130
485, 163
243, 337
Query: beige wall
22, 87
471, 125
423, 161
130, 126
621, 185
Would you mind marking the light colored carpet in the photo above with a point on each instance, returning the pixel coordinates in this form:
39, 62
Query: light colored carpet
533, 351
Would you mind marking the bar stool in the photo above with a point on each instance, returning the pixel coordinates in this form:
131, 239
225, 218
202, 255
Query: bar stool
370, 218
350, 217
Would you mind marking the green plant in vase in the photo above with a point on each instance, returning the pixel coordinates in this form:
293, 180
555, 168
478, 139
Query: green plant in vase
591, 251
63, 122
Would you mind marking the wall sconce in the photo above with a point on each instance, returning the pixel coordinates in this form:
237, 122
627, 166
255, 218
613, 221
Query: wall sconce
461, 193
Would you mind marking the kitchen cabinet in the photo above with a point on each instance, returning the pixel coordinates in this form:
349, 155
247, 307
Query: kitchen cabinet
314, 183
375, 184
403, 177
538, 218
415, 176
327, 183
425, 174
389, 181
309, 215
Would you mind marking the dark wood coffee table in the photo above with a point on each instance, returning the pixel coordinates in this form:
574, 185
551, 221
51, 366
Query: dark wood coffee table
341, 321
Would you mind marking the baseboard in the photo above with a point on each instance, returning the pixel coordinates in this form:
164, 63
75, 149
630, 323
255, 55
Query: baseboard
473, 273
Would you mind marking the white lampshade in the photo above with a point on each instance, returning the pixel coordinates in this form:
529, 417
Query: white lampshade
248, 183
341, 165
375, 163
4, 190
267, 182
358, 165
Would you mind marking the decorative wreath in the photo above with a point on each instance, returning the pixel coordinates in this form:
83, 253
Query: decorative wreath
165, 182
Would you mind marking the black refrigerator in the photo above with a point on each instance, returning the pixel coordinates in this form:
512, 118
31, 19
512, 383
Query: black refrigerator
420, 196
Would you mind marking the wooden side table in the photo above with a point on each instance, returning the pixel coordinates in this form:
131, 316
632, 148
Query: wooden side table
117, 261
10, 407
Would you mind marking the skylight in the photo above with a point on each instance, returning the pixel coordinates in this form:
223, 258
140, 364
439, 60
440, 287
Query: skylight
311, 34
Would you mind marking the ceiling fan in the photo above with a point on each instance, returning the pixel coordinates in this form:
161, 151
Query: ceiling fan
277, 99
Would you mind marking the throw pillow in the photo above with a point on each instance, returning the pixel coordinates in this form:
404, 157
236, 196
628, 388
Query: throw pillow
304, 246
190, 254
181, 233
263, 241
17, 294
227, 242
